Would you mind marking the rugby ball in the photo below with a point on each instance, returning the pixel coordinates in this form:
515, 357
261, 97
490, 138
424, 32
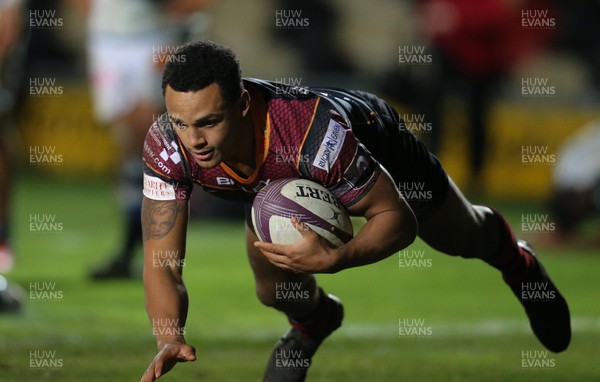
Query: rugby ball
280, 200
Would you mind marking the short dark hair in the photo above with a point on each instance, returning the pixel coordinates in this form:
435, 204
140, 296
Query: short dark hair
198, 64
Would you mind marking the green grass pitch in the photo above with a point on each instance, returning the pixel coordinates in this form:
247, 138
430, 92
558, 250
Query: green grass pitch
475, 329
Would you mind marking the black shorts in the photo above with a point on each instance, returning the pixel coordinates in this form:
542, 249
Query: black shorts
417, 173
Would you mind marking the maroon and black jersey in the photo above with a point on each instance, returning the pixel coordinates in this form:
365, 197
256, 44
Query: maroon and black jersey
307, 135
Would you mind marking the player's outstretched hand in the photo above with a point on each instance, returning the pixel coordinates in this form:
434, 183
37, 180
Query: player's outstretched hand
166, 358
312, 254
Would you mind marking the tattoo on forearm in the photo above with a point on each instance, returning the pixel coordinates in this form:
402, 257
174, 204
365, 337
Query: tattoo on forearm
158, 218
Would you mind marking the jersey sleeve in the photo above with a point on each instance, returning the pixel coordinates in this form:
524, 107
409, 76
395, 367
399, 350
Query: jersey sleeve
336, 159
165, 171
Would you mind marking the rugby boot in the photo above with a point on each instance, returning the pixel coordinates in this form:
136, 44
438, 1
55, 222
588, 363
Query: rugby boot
544, 305
292, 355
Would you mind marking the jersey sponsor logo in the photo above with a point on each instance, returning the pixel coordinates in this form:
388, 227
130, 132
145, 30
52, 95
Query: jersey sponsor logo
148, 150
160, 138
330, 146
223, 181
157, 189
170, 152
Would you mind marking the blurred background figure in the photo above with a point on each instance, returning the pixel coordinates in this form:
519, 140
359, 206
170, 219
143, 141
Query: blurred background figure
474, 46
12, 52
576, 194
128, 44
315, 43
579, 34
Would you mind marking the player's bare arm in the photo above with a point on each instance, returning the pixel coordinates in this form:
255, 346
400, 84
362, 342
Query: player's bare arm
391, 226
164, 225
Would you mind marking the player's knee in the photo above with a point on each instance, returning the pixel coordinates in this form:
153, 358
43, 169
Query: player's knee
481, 234
266, 294
283, 294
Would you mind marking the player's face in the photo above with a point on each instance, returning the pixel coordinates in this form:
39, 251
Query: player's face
206, 124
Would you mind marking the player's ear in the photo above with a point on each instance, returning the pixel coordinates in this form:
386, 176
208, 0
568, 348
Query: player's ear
245, 102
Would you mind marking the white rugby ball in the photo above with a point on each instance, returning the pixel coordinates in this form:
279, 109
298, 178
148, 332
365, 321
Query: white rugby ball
280, 200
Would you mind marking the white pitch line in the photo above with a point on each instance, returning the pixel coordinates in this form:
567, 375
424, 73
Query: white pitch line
483, 328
